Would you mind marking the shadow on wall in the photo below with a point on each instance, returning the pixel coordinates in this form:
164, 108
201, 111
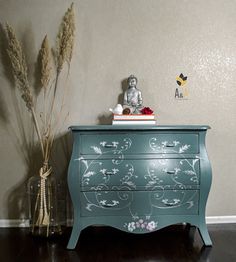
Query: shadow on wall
106, 119
19, 127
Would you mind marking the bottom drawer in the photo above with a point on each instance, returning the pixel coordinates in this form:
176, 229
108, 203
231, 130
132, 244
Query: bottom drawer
137, 203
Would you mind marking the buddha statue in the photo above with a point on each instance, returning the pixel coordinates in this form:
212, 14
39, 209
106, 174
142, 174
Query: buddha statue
132, 96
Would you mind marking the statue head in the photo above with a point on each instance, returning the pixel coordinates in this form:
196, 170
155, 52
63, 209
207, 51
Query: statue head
132, 80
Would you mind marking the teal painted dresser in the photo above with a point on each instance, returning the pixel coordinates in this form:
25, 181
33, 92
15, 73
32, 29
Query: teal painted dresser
139, 178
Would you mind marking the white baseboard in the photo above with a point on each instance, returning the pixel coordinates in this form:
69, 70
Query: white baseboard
25, 222
220, 219
14, 223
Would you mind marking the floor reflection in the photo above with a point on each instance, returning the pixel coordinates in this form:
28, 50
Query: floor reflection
174, 243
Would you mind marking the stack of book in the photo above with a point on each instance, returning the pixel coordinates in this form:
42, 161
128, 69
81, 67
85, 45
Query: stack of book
135, 119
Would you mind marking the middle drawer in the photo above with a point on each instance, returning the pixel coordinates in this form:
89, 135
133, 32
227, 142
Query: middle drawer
104, 174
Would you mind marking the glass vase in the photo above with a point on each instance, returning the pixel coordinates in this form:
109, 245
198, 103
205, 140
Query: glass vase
43, 206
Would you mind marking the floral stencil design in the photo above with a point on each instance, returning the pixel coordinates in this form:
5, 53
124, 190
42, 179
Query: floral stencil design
164, 145
140, 224
166, 179
174, 171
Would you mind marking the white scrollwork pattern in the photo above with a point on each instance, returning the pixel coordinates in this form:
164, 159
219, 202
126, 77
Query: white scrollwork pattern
164, 179
170, 146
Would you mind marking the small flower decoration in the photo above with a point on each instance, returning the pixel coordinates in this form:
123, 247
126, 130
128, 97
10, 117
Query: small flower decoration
131, 226
151, 226
141, 225
146, 111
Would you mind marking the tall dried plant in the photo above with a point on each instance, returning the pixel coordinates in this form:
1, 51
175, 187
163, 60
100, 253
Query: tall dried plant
45, 66
65, 39
44, 122
19, 71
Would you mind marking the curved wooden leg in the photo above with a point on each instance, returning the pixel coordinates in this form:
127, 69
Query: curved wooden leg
75, 231
205, 235
74, 236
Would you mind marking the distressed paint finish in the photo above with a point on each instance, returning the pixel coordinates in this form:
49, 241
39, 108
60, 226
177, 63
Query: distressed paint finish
139, 179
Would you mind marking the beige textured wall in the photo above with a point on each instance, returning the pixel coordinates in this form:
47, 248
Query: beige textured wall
154, 39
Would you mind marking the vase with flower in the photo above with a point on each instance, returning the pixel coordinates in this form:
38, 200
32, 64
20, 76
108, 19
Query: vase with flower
43, 187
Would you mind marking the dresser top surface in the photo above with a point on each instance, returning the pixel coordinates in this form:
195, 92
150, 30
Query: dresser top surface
139, 127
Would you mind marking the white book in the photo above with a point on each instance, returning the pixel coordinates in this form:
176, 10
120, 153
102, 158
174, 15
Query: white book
134, 117
134, 122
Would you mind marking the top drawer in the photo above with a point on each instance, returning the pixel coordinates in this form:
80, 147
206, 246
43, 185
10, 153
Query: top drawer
134, 143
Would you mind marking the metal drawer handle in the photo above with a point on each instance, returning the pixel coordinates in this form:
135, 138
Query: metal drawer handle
108, 205
112, 204
170, 145
109, 173
110, 146
173, 202
171, 172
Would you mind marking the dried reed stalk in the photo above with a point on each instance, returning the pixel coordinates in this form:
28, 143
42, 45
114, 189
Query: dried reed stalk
65, 38
19, 70
45, 59
45, 77
63, 53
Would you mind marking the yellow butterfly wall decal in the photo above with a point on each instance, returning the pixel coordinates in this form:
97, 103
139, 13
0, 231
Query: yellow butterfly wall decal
181, 79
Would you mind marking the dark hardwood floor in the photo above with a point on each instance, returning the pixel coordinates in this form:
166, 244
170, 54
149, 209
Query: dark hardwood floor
104, 244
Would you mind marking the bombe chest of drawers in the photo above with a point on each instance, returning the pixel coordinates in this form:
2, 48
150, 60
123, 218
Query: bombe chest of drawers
139, 178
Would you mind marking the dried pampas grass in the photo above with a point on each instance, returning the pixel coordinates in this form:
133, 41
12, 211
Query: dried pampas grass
19, 71
64, 49
45, 59
65, 39
19, 68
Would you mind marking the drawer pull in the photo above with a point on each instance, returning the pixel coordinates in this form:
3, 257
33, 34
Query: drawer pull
171, 172
112, 204
109, 173
171, 203
108, 205
110, 146
170, 145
